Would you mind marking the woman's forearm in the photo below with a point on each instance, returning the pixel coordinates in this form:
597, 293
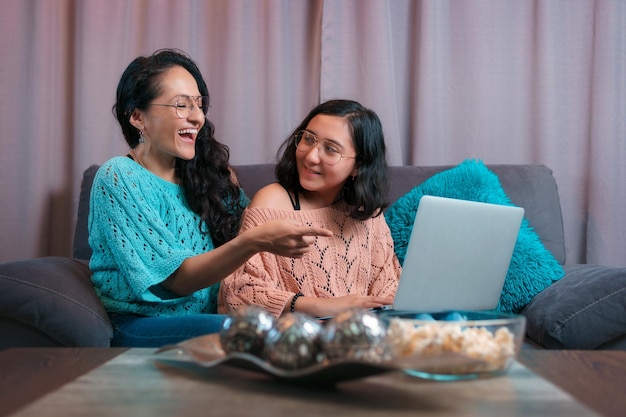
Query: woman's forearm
209, 268
281, 237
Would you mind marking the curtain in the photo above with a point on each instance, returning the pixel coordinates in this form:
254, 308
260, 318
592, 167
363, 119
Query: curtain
505, 81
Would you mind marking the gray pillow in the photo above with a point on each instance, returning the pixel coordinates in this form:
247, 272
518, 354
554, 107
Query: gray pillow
54, 296
586, 309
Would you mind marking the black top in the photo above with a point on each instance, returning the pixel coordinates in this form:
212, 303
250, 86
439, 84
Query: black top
295, 200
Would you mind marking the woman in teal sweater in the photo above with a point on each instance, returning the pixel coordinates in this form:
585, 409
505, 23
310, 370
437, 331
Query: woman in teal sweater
164, 218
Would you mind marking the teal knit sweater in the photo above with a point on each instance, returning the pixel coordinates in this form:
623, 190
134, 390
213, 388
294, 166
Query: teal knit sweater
141, 230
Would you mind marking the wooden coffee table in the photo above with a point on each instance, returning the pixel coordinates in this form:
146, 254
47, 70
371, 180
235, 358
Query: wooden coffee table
98, 381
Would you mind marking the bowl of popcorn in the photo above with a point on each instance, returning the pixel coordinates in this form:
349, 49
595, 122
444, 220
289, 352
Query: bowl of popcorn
454, 345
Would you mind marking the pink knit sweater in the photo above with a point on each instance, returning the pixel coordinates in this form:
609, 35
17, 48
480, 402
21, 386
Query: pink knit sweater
358, 259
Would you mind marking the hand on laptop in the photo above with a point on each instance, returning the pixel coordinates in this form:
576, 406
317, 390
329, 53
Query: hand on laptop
323, 307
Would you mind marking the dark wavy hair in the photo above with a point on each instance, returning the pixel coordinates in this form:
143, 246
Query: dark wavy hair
207, 178
366, 194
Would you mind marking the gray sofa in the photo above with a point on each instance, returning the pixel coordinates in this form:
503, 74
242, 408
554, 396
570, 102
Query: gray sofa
49, 301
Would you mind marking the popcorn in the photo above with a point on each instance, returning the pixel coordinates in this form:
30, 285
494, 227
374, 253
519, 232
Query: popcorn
488, 351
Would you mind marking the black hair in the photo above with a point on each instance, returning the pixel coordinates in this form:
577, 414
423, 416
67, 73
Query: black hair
366, 194
207, 178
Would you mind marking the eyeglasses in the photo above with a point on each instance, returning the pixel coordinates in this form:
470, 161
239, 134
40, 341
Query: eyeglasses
330, 153
185, 105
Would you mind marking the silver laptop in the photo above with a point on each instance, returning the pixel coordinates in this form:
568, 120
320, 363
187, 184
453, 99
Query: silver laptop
458, 255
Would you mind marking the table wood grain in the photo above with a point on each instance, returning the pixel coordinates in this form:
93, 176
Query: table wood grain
93, 381
29, 373
596, 378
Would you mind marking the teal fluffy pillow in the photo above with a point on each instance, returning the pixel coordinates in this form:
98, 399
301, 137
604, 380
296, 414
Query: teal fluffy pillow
532, 268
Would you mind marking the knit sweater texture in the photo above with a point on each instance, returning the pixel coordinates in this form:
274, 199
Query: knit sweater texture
358, 259
141, 229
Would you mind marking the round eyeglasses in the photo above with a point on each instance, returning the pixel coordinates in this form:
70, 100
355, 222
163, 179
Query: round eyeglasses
330, 152
185, 105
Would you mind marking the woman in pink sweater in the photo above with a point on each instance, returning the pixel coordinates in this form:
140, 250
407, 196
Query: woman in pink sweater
332, 174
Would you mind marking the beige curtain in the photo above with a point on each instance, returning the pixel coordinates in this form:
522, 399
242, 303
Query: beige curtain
506, 81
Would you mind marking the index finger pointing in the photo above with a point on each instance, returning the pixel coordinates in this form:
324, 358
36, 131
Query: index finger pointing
317, 231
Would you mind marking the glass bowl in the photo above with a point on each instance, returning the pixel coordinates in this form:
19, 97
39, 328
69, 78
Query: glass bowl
449, 346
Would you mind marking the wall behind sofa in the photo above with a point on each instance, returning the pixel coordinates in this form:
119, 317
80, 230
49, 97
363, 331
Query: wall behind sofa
505, 81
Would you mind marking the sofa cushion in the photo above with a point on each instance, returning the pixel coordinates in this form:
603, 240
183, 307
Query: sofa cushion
82, 250
532, 269
584, 310
33, 293
531, 186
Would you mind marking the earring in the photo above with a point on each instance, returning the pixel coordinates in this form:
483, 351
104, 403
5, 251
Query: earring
141, 138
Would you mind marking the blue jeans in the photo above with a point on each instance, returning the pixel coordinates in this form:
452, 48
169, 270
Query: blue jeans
138, 331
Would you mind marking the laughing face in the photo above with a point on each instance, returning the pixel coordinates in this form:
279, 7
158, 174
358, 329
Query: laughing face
323, 182
167, 136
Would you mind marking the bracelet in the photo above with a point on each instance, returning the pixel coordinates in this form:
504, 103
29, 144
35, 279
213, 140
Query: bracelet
293, 301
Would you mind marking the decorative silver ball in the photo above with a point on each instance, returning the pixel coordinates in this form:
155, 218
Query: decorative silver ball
245, 330
294, 342
356, 334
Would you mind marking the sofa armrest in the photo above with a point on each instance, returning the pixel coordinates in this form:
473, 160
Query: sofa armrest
54, 297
